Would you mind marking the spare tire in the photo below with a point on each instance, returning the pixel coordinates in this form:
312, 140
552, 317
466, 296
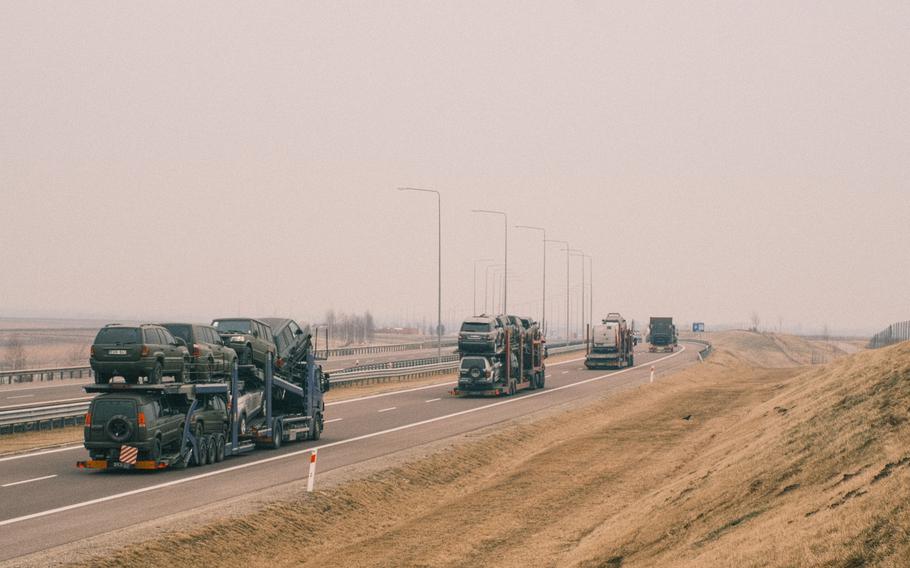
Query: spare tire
475, 373
119, 428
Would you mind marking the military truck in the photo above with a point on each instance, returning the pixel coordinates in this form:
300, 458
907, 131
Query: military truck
662, 335
610, 344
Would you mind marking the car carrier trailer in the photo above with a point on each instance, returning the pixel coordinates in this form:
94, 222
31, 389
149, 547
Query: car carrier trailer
521, 367
294, 410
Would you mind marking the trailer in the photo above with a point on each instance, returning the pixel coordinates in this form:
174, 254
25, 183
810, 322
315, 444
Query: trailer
294, 410
610, 344
497, 374
662, 335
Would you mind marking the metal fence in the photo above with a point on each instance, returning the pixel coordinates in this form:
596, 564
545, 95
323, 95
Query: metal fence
894, 333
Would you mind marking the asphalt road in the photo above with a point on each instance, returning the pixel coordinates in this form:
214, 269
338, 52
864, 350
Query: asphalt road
45, 501
27, 395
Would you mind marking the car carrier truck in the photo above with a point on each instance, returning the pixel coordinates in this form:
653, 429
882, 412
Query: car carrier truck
132, 426
504, 372
610, 344
662, 335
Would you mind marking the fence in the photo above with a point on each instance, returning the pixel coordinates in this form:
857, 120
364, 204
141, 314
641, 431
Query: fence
894, 333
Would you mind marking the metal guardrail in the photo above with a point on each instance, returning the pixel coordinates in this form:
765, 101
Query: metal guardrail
705, 351
42, 375
65, 414
367, 349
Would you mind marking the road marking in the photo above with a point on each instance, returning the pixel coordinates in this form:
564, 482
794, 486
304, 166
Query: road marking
20, 396
28, 480
307, 451
388, 409
565, 372
333, 420
433, 400
425, 387
41, 453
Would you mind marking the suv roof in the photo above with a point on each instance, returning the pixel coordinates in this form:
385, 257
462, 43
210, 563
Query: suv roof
239, 318
480, 319
274, 323
141, 396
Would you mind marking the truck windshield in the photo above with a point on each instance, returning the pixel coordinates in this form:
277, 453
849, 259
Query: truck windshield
476, 327
105, 409
119, 335
232, 326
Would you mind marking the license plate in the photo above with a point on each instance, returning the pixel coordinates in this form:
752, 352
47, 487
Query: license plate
116, 351
121, 465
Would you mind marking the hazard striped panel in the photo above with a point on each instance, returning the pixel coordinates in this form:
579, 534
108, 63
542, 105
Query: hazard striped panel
128, 454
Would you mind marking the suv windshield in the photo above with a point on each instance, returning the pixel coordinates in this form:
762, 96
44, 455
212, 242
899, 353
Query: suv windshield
181, 331
118, 335
475, 327
232, 326
105, 409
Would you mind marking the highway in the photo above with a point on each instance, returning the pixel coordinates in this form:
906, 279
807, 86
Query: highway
46, 501
27, 395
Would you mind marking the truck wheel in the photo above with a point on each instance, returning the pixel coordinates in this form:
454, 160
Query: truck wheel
243, 425
512, 389
210, 454
276, 436
201, 449
542, 379
631, 360
316, 432
154, 376
219, 448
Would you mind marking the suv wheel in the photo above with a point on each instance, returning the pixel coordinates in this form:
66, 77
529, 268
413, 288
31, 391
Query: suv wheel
183, 373
154, 376
245, 356
102, 379
155, 452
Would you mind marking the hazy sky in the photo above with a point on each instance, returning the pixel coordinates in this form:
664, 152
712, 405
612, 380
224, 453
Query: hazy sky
197, 160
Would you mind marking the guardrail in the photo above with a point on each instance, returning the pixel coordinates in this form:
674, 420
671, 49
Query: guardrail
366, 349
705, 351
40, 375
45, 417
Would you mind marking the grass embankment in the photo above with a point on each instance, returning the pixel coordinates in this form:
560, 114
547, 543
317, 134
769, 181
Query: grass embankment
724, 464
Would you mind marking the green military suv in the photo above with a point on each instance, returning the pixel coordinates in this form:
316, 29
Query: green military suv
133, 351
250, 338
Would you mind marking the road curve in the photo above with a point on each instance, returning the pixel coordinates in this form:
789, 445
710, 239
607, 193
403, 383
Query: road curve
47, 502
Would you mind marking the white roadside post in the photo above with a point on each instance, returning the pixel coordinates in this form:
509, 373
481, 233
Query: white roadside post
652, 373
311, 478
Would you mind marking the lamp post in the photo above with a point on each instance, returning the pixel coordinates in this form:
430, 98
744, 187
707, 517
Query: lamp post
567, 282
474, 313
486, 282
505, 288
543, 300
582, 255
439, 265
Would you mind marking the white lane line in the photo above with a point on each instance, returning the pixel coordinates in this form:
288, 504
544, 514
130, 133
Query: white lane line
41, 453
388, 409
565, 372
333, 420
433, 400
425, 387
46, 402
20, 396
28, 480
308, 451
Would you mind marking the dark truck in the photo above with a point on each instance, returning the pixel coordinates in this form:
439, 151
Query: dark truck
662, 335
610, 344
507, 370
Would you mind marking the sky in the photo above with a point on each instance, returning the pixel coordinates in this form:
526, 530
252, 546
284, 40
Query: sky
715, 159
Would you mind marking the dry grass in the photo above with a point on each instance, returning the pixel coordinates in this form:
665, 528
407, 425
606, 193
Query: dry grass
25, 441
724, 464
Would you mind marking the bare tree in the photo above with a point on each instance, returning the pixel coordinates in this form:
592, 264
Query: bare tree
756, 321
16, 356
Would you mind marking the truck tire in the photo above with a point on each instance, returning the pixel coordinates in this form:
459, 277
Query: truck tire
276, 436
201, 450
631, 360
542, 380
210, 454
316, 432
219, 448
512, 389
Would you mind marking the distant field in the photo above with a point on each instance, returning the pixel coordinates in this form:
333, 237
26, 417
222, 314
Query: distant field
63, 343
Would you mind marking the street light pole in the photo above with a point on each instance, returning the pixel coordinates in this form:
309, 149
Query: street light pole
474, 313
505, 288
438, 263
486, 283
567, 282
581, 254
543, 300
